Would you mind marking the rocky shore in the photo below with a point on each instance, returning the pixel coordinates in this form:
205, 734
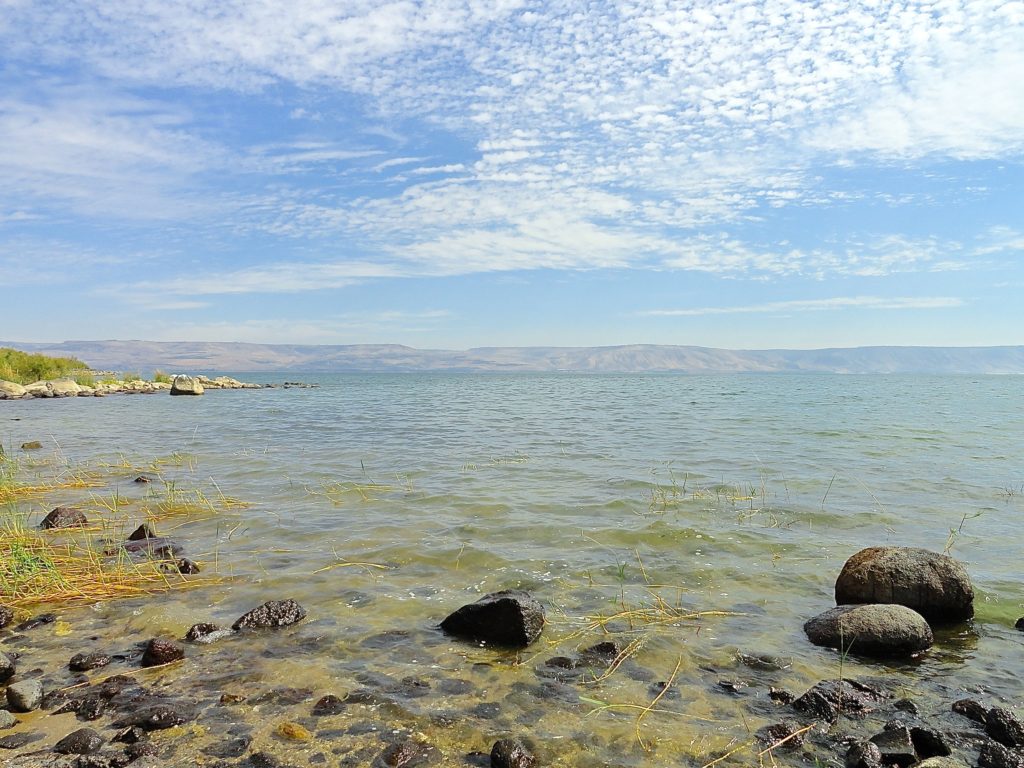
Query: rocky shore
891, 602
179, 384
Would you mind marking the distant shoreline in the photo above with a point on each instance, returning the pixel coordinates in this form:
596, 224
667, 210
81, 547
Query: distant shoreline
633, 358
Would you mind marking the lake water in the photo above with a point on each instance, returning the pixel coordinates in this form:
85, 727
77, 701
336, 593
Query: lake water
383, 502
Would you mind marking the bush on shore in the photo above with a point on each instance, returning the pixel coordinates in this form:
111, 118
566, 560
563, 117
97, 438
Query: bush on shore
25, 368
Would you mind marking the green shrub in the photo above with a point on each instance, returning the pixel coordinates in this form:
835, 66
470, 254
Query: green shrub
24, 368
161, 378
131, 376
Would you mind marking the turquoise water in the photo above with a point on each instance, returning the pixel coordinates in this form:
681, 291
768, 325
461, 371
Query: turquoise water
381, 502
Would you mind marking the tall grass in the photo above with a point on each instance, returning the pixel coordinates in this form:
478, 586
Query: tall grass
24, 368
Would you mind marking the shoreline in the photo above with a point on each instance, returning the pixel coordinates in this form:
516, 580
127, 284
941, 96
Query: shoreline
177, 384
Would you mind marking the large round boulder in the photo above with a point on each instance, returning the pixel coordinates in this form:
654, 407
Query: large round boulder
934, 585
186, 385
871, 630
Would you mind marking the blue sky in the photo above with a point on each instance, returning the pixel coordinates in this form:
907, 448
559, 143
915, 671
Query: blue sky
750, 174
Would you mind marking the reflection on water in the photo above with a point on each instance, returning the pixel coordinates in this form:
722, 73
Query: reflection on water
695, 521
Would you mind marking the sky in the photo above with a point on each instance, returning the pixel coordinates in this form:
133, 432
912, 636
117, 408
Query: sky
458, 173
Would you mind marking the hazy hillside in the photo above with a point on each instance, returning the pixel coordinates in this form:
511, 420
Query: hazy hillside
230, 356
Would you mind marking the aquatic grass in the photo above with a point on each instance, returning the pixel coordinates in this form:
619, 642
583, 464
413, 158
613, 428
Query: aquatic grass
174, 501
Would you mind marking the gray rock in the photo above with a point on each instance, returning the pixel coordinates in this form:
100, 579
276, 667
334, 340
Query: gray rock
84, 741
1003, 726
24, 696
64, 517
7, 720
65, 388
871, 630
7, 667
6, 616
273, 613
186, 385
941, 762
933, 584
511, 753
11, 389
511, 619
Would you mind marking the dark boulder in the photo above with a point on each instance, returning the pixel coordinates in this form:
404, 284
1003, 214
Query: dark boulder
1019, 625
142, 532
156, 547
37, 621
181, 565
933, 584
511, 619
160, 652
273, 613
863, 754
405, 754
511, 753
929, 743
84, 741
971, 709
83, 662
827, 699
64, 517
784, 735
871, 630
1003, 726
995, 755
896, 746
6, 616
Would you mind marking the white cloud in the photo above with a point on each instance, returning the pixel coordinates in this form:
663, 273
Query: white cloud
815, 305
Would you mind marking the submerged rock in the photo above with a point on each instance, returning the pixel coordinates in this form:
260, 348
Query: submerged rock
143, 531
155, 718
511, 753
405, 754
160, 652
37, 621
84, 741
827, 699
206, 633
871, 630
64, 517
24, 696
273, 613
511, 618
83, 662
935, 585
785, 735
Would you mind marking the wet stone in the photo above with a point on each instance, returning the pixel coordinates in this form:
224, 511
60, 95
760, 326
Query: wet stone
1019, 625
160, 652
91, 707
6, 616
7, 720
206, 633
411, 688
142, 479
825, 700
230, 748
7, 667
37, 621
181, 565
140, 749
407, 753
141, 533
130, 735
763, 662
455, 687
64, 517
929, 743
19, 740
731, 686
603, 653
486, 710
273, 613
329, 705
511, 753
83, 662
971, 709
995, 755
511, 618
864, 754
786, 734
659, 689
284, 696
84, 741
896, 746
1003, 726
906, 705
781, 696
156, 717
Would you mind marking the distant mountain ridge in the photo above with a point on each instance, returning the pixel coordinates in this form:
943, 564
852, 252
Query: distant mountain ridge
201, 357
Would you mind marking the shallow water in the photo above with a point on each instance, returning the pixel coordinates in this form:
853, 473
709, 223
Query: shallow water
383, 502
